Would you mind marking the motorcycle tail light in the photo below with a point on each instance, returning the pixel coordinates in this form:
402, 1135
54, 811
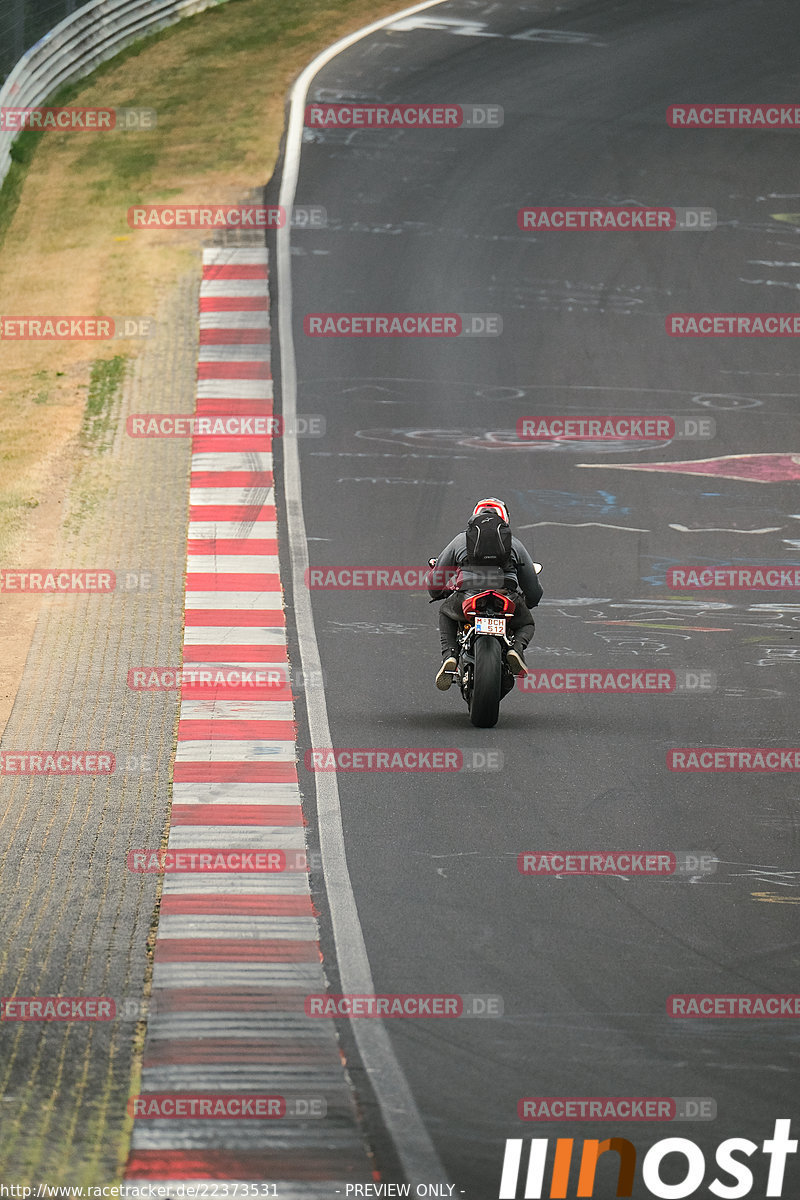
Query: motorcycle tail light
474, 604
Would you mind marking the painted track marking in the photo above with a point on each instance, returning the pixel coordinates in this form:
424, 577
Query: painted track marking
237, 952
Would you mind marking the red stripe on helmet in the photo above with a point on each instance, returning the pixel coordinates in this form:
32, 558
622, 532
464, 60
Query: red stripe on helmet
497, 505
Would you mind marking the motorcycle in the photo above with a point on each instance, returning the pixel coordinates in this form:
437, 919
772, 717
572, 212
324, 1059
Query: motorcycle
483, 673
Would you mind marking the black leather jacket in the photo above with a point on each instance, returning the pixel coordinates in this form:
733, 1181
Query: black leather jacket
454, 556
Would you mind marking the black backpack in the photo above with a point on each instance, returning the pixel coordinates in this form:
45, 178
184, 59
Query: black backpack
488, 540
489, 557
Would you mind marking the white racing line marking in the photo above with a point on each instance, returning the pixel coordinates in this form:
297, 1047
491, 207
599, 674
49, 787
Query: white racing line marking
472, 28
715, 529
586, 525
400, 1114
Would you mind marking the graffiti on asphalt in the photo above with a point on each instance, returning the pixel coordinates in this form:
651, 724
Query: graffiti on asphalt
753, 468
658, 576
506, 439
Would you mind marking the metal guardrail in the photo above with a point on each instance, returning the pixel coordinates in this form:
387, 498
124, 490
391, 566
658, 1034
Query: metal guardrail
78, 44
23, 22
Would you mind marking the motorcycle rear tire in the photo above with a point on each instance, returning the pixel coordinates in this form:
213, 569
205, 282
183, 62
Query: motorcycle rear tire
484, 708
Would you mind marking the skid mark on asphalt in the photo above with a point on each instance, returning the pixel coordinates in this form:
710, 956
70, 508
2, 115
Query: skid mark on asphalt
236, 953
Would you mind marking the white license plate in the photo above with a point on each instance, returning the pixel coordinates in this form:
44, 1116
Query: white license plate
495, 625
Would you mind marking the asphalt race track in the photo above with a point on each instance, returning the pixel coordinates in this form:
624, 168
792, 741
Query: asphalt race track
417, 429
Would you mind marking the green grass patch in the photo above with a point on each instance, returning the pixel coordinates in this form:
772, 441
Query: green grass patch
208, 97
100, 415
15, 508
22, 152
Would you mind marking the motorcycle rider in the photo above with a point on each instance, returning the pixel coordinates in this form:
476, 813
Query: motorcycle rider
521, 584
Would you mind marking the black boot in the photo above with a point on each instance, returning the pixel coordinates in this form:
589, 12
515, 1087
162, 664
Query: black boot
515, 661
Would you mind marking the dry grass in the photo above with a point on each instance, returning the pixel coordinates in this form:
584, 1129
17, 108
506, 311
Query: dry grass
218, 82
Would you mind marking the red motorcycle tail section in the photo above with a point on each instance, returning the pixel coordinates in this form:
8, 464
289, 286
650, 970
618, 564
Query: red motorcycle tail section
469, 606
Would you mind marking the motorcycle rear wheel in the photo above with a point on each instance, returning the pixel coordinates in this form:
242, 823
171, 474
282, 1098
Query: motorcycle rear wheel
484, 707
